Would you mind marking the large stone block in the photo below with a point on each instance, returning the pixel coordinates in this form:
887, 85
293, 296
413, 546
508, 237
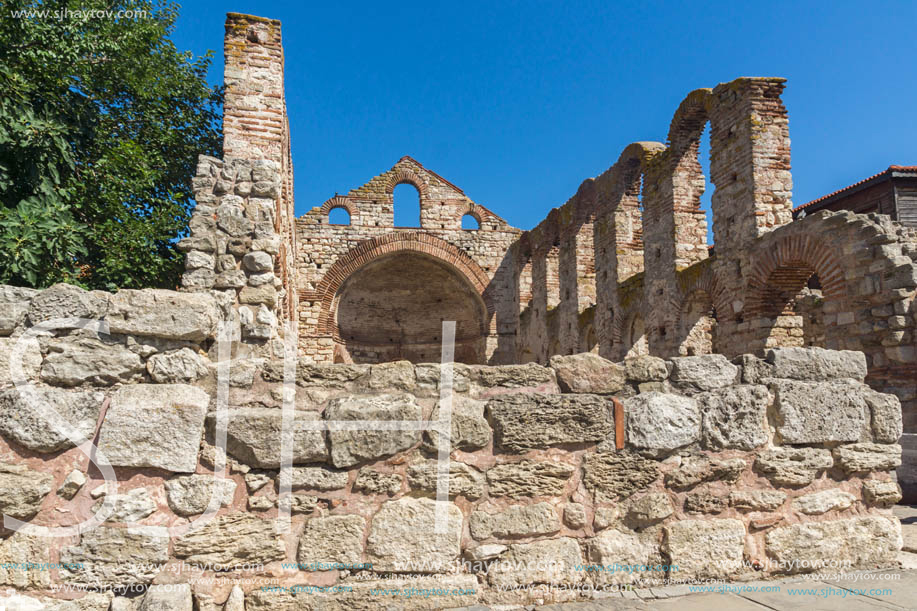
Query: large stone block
530, 375
351, 447
21, 561
67, 301
885, 410
661, 422
402, 537
553, 561
823, 501
536, 421
814, 364
470, 429
820, 412
154, 425
14, 305
649, 509
162, 313
705, 372
22, 490
696, 469
190, 495
129, 507
71, 362
116, 556
705, 549
588, 373
528, 478
318, 478
617, 475
515, 521
333, 539
397, 375
23, 423
867, 457
645, 368
232, 540
793, 466
863, 542
178, 367
254, 436
734, 417
464, 480
31, 358
632, 552
881, 493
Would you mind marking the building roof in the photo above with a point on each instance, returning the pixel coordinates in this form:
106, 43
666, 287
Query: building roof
892, 170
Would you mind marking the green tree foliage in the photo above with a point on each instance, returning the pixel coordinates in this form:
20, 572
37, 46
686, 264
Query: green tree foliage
101, 123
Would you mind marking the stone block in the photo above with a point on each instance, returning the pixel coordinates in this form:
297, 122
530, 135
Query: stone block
862, 542
387, 377
71, 362
31, 358
370, 481
67, 301
403, 534
757, 500
614, 547
254, 436
617, 475
705, 549
190, 495
881, 493
116, 556
574, 515
734, 417
706, 372
162, 313
537, 421
820, 412
885, 411
787, 466
515, 521
332, 540
814, 364
858, 457
21, 561
23, 422
318, 478
167, 597
823, 501
182, 366
528, 478
127, 507
349, 448
231, 540
645, 368
649, 509
661, 422
154, 425
464, 480
588, 373
22, 490
553, 561
530, 375
470, 429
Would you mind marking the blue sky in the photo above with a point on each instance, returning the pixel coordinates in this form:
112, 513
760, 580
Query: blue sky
518, 102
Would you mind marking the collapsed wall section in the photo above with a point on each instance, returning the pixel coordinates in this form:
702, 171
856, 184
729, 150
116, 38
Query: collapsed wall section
711, 466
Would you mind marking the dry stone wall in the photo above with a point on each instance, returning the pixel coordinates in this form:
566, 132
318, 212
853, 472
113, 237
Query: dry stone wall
696, 467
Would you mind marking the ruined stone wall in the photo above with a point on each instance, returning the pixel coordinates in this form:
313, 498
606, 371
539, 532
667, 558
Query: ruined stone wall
696, 463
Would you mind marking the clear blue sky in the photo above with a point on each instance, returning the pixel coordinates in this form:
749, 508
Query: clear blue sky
519, 102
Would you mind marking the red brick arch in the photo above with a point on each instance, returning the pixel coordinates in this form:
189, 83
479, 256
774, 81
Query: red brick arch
707, 283
689, 121
787, 265
368, 250
338, 201
405, 176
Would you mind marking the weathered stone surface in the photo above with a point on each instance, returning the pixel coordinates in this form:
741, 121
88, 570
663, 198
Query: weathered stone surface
429, 375
330, 540
162, 313
318, 478
867, 457
404, 530
256, 481
529, 478
574, 515
817, 364
258, 261
885, 412
349, 448
696, 469
117, 556
67, 301
649, 509
370, 481
863, 542
236, 600
154, 425
614, 547
824, 501
705, 549
190, 494
14, 305
231, 540
261, 503
705, 502
31, 358
22, 490
530, 375
793, 466
705, 372
470, 429
397, 375
71, 362
24, 424
515, 521
757, 500
72, 484
21, 558
552, 561
487, 551
167, 597
617, 475
298, 503
254, 435
131, 506
181, 366
754, 370
535, 421
734, 417
645, 368
606, 516
464, 480
662, 422
881, 493
819, 412
588, 373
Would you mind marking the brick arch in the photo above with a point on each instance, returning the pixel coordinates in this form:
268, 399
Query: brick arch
404, 176
689, 121
788, 264
338, 201
706, 282
369, 250
621, 327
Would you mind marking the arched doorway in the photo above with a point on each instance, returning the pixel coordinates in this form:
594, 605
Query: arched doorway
392, 308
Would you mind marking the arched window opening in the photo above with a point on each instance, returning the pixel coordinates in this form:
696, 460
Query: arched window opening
635, 338
706, 201
339, 216
471, 223
793, 300
697, 325
406, 199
